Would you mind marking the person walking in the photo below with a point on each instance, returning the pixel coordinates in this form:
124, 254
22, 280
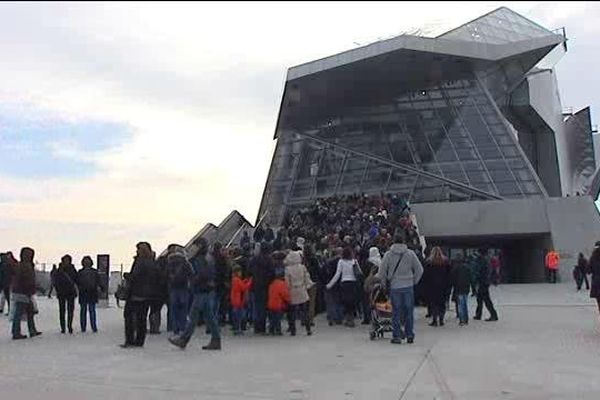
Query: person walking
580, 272
401, 270
65, 283
179, 273
461, 285
482, 280
552, 263
298, 281
140, 293
89, 283
23, 290
348, 273
261, 272
594, 265
438, 285
203, 284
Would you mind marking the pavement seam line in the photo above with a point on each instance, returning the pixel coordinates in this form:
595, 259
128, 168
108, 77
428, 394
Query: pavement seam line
414, 374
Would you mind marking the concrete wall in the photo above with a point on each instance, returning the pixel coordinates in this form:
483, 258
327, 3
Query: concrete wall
569, 225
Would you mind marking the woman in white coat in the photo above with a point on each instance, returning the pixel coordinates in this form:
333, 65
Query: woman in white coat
298, 280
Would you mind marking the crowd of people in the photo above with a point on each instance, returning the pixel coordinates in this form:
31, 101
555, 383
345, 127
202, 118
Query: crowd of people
328, 257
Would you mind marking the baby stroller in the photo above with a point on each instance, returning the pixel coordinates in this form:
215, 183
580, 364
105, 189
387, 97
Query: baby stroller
381, 312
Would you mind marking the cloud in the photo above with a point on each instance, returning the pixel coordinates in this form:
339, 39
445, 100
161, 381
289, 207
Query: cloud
37, 144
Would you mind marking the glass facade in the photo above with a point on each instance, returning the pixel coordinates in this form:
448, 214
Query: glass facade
427, 127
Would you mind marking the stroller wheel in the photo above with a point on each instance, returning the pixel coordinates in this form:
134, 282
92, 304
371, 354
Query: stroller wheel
372, 335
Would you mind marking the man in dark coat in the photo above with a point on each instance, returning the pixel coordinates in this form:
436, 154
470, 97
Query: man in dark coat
262, 273
23, 288
158, 295
461, 285
89, 283
65, 283
482, 280
143, 271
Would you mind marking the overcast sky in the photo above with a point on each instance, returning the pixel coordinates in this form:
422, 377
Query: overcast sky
127, 122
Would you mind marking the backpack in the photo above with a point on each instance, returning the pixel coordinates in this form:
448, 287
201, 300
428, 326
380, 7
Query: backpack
181, 274
122, 292
88, 281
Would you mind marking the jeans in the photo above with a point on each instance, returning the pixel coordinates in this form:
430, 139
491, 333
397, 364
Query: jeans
483, 297
403, 312
179, 299
69, 304
136, 316
238, 318
83, 307
21, 308
275, 322
334, 309
462, 308
202, 305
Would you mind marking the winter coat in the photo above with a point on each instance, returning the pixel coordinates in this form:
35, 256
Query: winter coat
594, 265
88, 282
6, 274
552, 260
279, 295
65, 281
24, 279
239, 291
297, 278
438, 281
262, 272
481, 271
179, 271
143, 279
409, 270
205, 274
461, 278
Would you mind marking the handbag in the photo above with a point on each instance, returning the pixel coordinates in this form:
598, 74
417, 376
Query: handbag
122, 292
388, 281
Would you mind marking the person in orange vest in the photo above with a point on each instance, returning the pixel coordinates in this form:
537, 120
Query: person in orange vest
552, 261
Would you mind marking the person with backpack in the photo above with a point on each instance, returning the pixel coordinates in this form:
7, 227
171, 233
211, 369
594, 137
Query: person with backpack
203, 284
179, 273
65, 283
461, 285
89, 282
400, 271
158, 295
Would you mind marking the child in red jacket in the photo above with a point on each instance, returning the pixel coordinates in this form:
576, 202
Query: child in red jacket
278, 301
238, 297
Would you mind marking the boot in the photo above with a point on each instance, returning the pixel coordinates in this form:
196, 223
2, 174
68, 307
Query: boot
215, 344
434, 322
178, 341
19, 337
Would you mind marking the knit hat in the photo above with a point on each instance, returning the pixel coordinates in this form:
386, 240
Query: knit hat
374, 256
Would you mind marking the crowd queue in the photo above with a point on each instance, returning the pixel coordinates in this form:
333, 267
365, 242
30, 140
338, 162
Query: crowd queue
328, 257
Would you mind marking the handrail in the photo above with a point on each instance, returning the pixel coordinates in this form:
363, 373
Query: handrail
236, 234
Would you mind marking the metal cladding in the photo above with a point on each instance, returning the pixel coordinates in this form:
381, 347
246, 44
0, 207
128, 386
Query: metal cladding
473, 114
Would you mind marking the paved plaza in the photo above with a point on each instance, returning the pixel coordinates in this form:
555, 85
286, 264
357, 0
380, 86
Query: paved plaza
545, 346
